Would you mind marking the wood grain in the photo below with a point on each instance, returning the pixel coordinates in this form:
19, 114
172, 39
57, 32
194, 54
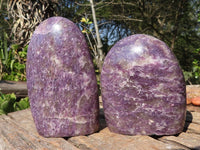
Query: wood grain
19, 88
18, 132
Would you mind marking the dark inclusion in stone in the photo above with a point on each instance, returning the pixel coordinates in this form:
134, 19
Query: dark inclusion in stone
143, 88
61, 80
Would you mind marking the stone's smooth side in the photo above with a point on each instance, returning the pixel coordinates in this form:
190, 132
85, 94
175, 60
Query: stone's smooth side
61, 80
143, 89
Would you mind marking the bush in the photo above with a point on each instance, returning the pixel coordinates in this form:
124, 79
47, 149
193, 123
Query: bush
13, 62
193, 76
9, 103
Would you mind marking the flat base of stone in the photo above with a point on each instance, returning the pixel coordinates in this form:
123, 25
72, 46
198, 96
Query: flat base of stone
143, 127
57, 127
80, 131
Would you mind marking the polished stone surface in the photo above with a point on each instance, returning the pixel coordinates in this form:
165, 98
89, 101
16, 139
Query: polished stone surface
61, 80
143, 88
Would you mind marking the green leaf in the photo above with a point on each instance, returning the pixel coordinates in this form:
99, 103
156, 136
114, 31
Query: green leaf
5, 106
2, 96
16, 79
2, 112
13, 97
11, 64
15, 46
187, 75
22, 104
25, 48
2, 54
195, 68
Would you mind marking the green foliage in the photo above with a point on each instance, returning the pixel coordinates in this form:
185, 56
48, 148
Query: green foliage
9, 103
22, 104
196, 69
4, 54
193, 76
13, 62
174, 22
6, 103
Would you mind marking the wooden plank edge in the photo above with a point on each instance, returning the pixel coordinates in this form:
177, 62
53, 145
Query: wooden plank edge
51, 143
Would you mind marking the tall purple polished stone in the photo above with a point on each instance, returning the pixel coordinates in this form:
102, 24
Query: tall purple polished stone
61, 80
143, 89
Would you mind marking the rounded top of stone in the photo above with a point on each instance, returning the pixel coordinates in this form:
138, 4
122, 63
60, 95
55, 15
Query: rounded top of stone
139, 47
54, 25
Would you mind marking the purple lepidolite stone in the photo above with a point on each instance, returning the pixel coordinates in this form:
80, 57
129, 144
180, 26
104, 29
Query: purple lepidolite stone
143, 89
61, 80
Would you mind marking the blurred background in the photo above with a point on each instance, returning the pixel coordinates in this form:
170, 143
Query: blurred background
174, 22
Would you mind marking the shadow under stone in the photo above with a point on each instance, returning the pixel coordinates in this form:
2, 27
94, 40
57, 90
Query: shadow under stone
102, 120
188, 120
196, 148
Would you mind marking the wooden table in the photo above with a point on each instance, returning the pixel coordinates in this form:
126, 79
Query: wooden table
17, 131
19, 88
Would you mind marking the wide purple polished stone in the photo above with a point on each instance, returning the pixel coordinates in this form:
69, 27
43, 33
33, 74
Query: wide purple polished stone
61, 80
143, 89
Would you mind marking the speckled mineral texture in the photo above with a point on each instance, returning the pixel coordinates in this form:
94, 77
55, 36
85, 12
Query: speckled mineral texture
143, 88
61, 80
